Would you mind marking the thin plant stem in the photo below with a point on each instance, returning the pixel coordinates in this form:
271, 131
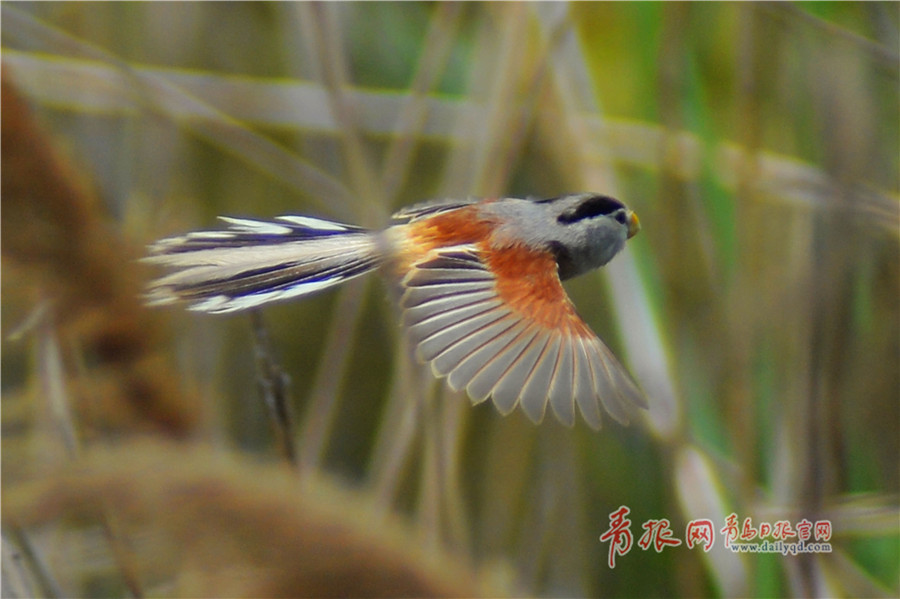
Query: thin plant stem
274, 389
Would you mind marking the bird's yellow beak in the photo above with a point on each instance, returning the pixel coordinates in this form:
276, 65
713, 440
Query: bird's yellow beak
634, 225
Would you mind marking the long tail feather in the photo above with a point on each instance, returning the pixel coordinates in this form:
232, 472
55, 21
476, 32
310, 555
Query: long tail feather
255, 262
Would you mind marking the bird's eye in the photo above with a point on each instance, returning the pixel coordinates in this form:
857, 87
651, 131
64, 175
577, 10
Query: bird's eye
594, 206
621, 217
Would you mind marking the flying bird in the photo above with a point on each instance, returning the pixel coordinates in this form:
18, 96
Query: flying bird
481, 292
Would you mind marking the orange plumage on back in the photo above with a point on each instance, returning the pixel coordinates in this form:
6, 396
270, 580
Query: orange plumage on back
456, 227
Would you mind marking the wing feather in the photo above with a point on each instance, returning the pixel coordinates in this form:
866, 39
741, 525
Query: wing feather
562, 388
424, 310
495, 338
494, 367
508, 332
447, 362
605, 383
508, 390
586, 392
442, 321
535, 393
413, 296
432, 346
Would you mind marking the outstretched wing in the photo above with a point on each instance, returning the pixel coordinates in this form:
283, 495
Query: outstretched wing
499, 324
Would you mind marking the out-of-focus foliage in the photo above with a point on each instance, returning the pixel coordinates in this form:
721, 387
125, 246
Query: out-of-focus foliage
758, 308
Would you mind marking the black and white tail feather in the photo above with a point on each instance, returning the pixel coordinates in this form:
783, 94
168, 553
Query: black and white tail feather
255, 262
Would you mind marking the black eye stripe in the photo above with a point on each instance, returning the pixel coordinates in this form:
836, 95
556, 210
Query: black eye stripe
595, 206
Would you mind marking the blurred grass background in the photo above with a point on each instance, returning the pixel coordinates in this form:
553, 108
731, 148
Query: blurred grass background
758, 308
